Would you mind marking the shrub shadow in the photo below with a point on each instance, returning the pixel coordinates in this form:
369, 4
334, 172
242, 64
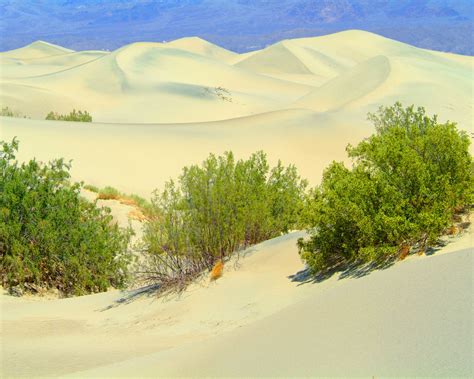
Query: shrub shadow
352, 270
132, 295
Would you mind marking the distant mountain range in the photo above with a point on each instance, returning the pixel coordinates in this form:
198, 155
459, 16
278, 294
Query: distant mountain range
239, 25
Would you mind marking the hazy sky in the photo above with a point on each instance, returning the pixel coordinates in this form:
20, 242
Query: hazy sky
240, 25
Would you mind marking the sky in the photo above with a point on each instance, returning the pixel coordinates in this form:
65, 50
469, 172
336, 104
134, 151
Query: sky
239, 25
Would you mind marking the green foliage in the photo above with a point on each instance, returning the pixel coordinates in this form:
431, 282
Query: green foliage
216, 209
7, 112
108, 193
406, 182
50, 237
91, 188
111, 193
80, 116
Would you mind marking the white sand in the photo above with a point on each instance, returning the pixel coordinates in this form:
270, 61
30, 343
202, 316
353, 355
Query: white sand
157, 107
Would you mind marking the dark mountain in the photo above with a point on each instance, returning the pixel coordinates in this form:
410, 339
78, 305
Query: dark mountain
239, 25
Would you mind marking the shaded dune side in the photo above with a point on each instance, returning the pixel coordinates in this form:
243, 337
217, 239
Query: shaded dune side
276, 58
153, 63
202, 47
350, 86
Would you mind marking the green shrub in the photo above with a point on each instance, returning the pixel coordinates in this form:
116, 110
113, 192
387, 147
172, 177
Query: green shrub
406, 182
7, 112
81, 116
108, 193
50, 237
91, 188
216, 209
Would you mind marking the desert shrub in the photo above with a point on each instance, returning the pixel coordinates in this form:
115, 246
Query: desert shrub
91, 188
7, 112
80, 116
406, 182
50, 237
108, 193
214, 210
111, 193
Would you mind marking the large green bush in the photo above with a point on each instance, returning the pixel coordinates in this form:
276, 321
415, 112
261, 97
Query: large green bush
50, 237
216, 209
406, 183
80, 116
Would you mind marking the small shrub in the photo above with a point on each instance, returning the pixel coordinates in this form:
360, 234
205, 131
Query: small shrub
7, 112
407, 182
50, 237
80, 116
143, 206
108, 193
91, 188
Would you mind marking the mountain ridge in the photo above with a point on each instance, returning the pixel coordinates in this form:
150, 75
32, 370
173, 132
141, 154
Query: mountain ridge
434, 24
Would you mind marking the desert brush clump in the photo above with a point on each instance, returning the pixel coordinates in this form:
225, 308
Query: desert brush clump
406, 184
91, 188
51, 237
108, 193
143, 206
7, 112
80, 116
214, 210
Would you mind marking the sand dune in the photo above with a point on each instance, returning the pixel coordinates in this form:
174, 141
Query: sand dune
160, 106
139, 158
15, 68
275, 59
38, 49
113, 87
145, 82
361, 79
202, 47
332, 333
228, 327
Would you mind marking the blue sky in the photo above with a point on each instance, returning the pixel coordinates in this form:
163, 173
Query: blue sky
239, 25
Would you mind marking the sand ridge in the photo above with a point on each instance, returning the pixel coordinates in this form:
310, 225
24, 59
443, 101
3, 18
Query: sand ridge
144, 82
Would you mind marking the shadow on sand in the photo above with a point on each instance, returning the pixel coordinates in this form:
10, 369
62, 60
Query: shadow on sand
355, 270
352, 270
132, 295
154, 291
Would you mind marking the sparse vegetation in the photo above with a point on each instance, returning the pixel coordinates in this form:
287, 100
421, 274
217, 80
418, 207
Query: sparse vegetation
108, 193
111, 193
91, 188
50, 237
406, 184
216, 209
80, 116
7, 112
221, 92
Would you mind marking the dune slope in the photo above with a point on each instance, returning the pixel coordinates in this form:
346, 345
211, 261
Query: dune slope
410, 319
147, 82
38, 49
380, 325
